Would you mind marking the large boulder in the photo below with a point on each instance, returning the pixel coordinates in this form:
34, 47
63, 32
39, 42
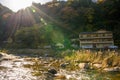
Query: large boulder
84, 65
97, 65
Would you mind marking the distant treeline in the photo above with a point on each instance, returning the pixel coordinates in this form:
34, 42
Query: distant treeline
71, 16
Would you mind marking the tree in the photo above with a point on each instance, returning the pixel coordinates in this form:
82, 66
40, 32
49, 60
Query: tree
31, 37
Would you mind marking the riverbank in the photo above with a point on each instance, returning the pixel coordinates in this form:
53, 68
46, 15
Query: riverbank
63, 65
100, 60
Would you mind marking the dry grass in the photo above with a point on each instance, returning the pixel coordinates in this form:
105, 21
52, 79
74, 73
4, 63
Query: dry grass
106, 58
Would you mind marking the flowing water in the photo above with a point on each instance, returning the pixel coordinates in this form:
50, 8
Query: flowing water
11, 68
90, 75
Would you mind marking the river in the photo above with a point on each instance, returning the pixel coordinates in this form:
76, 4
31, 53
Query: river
11, 68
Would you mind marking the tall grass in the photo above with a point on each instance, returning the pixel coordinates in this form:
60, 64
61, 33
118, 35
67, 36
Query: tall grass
106, 58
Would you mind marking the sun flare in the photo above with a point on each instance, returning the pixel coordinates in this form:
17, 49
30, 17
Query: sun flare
19, 4
16, 5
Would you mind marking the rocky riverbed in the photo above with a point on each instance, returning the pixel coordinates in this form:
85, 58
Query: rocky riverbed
13, 67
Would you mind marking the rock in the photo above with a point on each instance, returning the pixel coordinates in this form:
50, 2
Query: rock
52, 71
84, 65
113, 69
63, 65
1, 55
48, 76
97, 65
46, 55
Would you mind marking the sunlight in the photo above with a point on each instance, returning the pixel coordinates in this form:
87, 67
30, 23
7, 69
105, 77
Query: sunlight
19, 4
16, 5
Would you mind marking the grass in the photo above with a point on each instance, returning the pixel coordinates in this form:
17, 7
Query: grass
106, 58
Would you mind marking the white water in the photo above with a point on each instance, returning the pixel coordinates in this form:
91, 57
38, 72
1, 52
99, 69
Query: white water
14, 69
74, 75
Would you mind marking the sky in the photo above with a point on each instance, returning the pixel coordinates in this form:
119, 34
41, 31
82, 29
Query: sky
15, 5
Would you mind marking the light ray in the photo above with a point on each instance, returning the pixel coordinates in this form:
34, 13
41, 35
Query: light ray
53, 20
16, 5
